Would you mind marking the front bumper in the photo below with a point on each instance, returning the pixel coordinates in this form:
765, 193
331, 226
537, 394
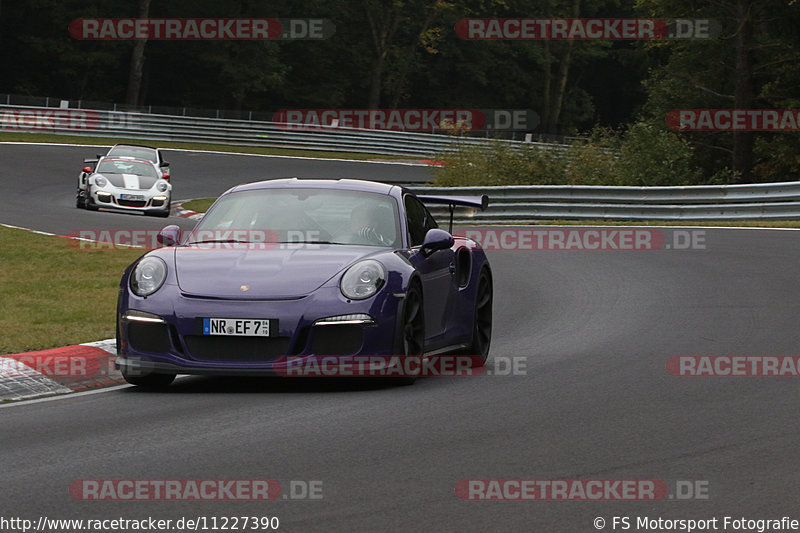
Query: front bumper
112, 199
177, 345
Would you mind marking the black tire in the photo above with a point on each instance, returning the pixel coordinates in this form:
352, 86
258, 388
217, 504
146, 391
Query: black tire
117, 338
148, 381
482, 327
80, 202
411, 338
89, 204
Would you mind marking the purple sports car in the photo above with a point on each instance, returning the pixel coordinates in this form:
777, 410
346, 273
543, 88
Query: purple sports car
288, 269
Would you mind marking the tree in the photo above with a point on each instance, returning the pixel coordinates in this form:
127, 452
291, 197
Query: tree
738, 70
397, 29
556, 85
137, 61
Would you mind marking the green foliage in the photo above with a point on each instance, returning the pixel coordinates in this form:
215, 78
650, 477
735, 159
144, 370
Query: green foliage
653, 155
410, 52
778, 157
500, 164
758, 53
645, 155
594, 160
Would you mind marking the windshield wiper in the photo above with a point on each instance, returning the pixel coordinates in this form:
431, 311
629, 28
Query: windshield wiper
308, 242
238, 241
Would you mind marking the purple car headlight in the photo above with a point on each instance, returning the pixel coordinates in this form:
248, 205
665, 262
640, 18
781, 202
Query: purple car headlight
148, 276
363, 279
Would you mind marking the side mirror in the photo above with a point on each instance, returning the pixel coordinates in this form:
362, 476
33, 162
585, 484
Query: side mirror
88, 170
165, 176
170, 235
436, 239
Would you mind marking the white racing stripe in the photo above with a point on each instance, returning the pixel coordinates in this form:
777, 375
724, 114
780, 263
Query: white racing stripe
131, 181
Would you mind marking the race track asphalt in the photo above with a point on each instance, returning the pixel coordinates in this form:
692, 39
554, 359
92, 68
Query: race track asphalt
594, 328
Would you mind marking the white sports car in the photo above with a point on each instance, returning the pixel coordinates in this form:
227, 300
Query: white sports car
124, 183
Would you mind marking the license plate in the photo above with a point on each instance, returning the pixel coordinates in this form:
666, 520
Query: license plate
131, 197
242, 327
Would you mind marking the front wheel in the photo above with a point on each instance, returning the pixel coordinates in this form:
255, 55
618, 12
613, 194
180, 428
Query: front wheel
411, 341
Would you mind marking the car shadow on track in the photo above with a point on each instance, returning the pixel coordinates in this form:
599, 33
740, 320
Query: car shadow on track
250, 385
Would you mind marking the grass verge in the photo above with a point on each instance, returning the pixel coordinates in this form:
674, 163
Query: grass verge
55, 294
109, 141
200, 205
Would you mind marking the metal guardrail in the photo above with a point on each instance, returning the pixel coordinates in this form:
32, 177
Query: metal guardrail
90, 122
522, 204
20, 100
513, 204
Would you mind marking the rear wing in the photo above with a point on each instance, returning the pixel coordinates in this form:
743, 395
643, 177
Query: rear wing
477, 202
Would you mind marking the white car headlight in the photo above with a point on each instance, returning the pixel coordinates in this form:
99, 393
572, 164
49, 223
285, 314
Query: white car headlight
162, 186
363, 279
148, 276
100, 181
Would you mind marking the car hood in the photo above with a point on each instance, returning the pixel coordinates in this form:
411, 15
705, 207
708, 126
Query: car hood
242, 271
129, 181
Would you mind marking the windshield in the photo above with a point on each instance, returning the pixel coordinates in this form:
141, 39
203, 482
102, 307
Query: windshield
134, 151
303, 215
126, 167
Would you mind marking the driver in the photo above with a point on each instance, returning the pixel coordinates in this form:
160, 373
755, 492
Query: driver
363, 227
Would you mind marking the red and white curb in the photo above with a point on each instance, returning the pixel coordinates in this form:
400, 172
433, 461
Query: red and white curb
178, 210
58, 370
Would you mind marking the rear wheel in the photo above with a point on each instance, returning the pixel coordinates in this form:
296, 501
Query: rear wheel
80, 201
482, 327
